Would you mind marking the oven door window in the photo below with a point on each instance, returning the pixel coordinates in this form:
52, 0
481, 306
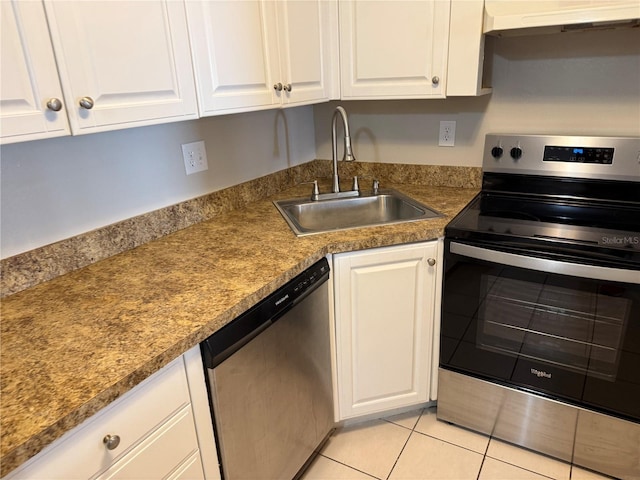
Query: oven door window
575, 324
564, 336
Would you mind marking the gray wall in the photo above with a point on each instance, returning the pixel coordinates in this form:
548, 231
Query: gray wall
581, 83
573, 83
58, 188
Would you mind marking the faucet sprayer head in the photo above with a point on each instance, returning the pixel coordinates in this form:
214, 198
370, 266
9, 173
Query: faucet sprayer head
348, 151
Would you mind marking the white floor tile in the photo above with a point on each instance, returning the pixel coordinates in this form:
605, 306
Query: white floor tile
324, 468
389, 449
372, 447
407, 420
430, 425
529, 460
578, 473
427, 458
496, 470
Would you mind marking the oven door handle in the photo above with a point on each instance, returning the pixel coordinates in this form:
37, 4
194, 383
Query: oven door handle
546, 265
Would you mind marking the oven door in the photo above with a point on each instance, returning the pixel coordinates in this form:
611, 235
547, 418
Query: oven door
564, 330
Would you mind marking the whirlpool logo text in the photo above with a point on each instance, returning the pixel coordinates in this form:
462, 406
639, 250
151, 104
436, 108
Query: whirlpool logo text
540, 374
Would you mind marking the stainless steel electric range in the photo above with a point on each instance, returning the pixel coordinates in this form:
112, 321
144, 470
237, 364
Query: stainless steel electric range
540, 335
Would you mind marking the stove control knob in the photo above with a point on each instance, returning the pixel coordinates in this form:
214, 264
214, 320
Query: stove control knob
496, 152
516, 153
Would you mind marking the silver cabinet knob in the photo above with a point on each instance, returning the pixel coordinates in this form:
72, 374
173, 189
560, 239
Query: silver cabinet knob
431, 262
435, 80
287, 87
54, 104
111, 441
278, 87
86, 102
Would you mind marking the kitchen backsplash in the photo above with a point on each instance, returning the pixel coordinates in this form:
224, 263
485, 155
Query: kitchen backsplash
28, 269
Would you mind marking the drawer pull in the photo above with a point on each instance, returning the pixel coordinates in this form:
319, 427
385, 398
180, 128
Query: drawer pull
111, 441
431, 262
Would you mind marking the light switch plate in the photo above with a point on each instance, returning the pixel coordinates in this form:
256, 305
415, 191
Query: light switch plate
195, 157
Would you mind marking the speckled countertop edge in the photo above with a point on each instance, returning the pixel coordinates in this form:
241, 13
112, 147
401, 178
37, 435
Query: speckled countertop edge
131, 314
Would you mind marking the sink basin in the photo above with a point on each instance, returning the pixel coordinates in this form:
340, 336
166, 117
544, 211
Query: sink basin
306, 217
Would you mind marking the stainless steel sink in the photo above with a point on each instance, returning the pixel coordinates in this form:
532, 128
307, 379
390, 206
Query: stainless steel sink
306, 217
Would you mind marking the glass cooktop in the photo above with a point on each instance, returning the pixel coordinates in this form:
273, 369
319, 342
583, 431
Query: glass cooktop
615, 226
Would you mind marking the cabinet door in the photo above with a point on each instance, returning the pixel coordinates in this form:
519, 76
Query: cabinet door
235, 55
28, 75
130, 58
307, 33
465, 58
384, 301
393, 49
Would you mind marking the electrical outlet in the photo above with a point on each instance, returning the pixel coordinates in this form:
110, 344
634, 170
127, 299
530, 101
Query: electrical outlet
195, 157
447, 136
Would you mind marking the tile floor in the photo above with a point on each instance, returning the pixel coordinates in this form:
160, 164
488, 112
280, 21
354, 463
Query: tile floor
417, 446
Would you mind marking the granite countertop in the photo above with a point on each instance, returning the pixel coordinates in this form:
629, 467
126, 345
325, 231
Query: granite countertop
72, 345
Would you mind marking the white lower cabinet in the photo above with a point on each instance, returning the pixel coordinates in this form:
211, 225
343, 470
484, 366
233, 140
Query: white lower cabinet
386, 319
163, 429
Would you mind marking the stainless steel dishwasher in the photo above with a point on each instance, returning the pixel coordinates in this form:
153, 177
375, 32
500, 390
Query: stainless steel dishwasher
269, 381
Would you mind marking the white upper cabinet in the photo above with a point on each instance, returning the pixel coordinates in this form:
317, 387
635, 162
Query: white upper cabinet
465, 68
122, 64
93, 66
393, 49
308, 43
252, 55
28, 76
235, 55
90, 66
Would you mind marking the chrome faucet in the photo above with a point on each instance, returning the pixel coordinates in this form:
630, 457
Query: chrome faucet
348, 152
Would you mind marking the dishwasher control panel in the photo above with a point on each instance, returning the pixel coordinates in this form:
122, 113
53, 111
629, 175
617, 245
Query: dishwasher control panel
238, 332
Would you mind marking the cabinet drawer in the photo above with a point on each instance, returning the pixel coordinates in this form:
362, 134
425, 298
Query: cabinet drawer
159, 454
81, 452
191, 468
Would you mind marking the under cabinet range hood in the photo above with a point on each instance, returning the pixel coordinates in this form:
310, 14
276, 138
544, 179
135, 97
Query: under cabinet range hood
519, 17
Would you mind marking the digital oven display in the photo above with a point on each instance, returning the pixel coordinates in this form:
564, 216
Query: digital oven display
578, 155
